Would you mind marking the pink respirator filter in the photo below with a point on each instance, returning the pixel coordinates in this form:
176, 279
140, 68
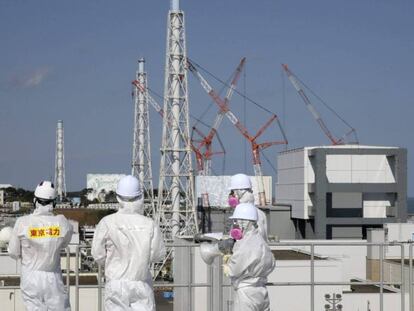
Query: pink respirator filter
236, 233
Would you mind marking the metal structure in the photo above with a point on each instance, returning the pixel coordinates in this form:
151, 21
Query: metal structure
200, 157
216, 283
334, 140
256, 147
141, 152
176, 212
207, 140
60, 182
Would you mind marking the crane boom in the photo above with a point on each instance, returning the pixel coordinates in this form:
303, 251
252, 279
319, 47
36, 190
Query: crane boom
208, 139
223, 106
310, 107
148, 97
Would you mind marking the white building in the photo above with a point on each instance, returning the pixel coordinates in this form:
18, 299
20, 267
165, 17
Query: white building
340, 191
217, 188
101, 183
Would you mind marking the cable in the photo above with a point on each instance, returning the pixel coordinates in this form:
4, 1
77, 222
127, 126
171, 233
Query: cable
323, 102
239, 93
191, 116
268, 161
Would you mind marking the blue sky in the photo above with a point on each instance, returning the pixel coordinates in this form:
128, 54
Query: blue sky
74, 60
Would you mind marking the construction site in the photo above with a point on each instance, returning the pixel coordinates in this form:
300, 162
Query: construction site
336, 213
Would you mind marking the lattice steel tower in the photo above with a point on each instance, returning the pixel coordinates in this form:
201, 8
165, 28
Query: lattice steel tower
141, 152
176, 205
60, 182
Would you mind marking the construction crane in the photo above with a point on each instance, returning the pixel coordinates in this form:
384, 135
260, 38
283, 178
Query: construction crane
256, 147
334, 140
203, 160
207, 140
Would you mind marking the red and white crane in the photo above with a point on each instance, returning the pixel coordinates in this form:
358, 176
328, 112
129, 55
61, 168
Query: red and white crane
256, 147
334, 140
207, 140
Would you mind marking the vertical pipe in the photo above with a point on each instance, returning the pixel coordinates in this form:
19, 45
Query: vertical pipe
99, 288
381, 277
190, 279
141, 124
410, 277
402, 288
68, 270
312, 277
77, 279
210, 288
176, 53
175, 5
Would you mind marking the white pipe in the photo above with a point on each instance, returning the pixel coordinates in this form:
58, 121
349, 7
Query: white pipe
175, 5
141, 65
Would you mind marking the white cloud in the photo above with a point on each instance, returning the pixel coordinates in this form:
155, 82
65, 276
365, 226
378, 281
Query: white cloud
31, 79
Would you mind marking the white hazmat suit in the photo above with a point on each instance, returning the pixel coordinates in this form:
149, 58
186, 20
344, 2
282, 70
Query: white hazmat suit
248, 197
127, 243
252, 261
38, 239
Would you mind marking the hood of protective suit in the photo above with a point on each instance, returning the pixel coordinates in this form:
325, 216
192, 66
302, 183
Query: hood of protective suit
43, 209
134, 207
247, 197
252, 260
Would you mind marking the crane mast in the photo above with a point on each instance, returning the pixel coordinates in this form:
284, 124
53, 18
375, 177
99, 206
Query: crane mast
256, 147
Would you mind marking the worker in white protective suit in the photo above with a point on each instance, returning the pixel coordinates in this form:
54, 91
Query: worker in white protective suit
241, 192
250, 263
127, 243
38, 239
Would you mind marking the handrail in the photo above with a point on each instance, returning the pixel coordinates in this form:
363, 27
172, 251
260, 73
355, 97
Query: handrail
190, 284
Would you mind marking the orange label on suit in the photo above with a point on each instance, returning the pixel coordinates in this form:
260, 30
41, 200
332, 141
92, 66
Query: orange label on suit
44, 232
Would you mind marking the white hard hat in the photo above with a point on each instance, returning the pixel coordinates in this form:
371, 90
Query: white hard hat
129, 187
240, 181
45, 191
245, 211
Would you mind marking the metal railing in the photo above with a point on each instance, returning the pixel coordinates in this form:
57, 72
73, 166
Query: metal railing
217, 272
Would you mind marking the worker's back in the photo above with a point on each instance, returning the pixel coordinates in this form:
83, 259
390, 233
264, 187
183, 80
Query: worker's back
39, 238
128, 244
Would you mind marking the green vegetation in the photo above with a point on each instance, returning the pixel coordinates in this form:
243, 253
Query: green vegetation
19, 194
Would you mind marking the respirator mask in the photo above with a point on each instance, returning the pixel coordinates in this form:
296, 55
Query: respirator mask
239, 227
235, 196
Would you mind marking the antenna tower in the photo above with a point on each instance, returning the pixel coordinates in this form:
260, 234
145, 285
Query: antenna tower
176, 205
141, 150
60, 182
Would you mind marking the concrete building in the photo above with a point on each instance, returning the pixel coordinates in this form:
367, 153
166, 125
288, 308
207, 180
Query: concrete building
101, 184
340, 191
217, 188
